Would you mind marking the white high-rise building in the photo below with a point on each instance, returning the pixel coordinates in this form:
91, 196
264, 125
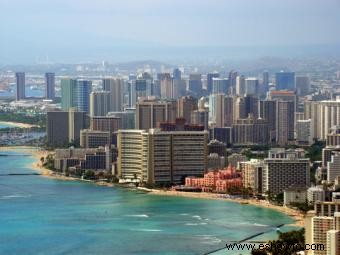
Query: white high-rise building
333, 167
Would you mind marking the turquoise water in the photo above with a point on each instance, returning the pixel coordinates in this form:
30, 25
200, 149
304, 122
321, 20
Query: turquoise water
6, 125
45, 216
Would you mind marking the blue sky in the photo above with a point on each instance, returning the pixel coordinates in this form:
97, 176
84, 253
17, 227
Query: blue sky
63, 28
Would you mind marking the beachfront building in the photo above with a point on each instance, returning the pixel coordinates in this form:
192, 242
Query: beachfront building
252, 173
94, 139
161, 157
64, 127
294, 195
284, 169
221, 181
83, 159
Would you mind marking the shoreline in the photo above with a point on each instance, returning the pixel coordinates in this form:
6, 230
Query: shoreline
17, 124
296, 215
37, 153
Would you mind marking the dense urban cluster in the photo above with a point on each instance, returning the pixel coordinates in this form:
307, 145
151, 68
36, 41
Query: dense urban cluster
198, 132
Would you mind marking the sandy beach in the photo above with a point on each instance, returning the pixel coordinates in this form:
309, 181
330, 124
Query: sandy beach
17, 124
37, 153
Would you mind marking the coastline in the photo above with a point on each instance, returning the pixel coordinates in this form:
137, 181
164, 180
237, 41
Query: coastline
296, 215
37, 153
17, 124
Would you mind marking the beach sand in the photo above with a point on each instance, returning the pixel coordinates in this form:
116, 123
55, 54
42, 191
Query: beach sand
17, 124
37, 153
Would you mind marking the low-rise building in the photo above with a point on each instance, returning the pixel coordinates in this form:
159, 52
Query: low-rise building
294, 195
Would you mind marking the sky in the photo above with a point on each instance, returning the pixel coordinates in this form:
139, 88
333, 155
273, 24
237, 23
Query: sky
84, 30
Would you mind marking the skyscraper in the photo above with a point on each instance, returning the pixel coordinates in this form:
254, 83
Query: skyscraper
195, 83
151, 112
240, 85
232, 81
251, 86
265, 82
68, 87
185, 106
20, 79
285, 81
284, 122
302, 85
82, 95
115, 87
100, 103
219, 86
64, 127
210, 77
50, 86
285, 169
177, 74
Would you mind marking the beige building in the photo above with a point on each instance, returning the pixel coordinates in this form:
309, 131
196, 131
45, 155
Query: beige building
100, 103
94, 139
324, 116
157, 156
115, 87
150, 112
252, 173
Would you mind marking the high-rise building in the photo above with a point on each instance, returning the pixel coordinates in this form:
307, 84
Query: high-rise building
115, 87
284, 122
240, 85
216, 108
82, 95
285, 169
219, 85
324, 115
195, 83
210, 77
333, 137
167, 89
333, 167
243, 106
100, 103
64, 127
302, 85
50, 86
232, 81
151, 112
157, 156
252, 173
250, 131
105, 123
200, 117
285, 81
177, 74
57, 128
20, 86
94, 139
251, 86
223, 135
76, 121
185, 106
127, 117
68, 88
265, 82
132, 162
267, 111
304, 132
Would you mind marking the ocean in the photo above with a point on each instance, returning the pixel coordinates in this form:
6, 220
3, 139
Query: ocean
39, 215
